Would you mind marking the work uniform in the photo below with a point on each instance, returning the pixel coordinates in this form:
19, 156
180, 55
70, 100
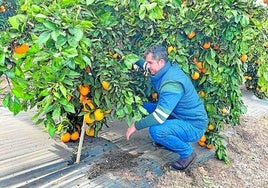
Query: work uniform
179, 116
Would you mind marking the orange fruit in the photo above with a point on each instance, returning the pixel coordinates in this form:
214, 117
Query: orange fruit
209, 146
170, 49
210, 127
65, 137
84, 89
195, 75
98, 115
201, 143
203, 70
199, 65
22, 49
107, 111
115, 55
82, 98
266, 45
203, 138
195, 60
202, 94
88, 119
105, 85
224, 111
69, 97
88, 69
216, 47
154, 96
2, 7
90, 131
206, 45
88, 104
265, 1
75, 136
191, 35
243, 58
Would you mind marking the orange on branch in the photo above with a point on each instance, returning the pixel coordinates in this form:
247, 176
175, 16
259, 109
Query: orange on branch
199, 65
154, 96
206, 45
209, 146
210, 127
216, 47
69, 97
203, 138
84, 89
105, 85
65, 137
201, 143
88, 119
22, 49
90, 131
88, 104
243, 58
98, 115
75, 136
170, 49
82, 98
116, 55
195, 75
202, 94
191, 35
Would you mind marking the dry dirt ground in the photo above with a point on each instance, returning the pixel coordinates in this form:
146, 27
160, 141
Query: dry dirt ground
247, 147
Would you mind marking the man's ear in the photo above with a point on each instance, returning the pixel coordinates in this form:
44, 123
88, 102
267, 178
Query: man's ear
162, 62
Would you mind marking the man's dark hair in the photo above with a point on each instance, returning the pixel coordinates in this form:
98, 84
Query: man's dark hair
158, 52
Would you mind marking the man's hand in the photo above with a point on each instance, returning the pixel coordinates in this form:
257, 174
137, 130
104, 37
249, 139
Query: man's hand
130, 131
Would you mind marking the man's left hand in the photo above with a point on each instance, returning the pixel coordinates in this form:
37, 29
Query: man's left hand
130, 131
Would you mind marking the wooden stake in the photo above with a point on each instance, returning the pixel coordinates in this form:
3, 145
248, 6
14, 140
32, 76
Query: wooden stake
81, 140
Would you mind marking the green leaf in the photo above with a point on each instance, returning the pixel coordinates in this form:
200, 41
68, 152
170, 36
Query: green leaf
142, 12
69, 108
63, 90
17, 20
77, 32
89, 2
2, 59
49, 25
56, 112
7, 100
51, 130
69, 52
150, 6
43, 38
244, 21
130, 60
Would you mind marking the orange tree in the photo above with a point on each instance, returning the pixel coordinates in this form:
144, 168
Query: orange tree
73, 59
256, 74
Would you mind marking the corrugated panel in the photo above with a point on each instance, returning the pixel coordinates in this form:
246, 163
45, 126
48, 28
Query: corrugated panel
27, 152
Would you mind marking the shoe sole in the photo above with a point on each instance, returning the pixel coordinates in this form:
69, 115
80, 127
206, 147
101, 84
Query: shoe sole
172, 168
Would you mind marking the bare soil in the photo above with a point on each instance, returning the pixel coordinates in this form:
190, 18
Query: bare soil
247, 147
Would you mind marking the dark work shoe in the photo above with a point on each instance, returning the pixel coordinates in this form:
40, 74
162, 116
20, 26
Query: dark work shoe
158, 145
183, 164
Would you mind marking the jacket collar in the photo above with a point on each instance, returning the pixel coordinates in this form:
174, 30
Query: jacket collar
160, 74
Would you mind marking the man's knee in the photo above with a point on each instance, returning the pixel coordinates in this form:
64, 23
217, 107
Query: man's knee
156, 133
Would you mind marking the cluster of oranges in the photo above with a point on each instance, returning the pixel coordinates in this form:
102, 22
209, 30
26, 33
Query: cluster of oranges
66, 137
203, 139
92, 114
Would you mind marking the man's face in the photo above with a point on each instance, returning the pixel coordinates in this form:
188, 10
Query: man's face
153, 65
